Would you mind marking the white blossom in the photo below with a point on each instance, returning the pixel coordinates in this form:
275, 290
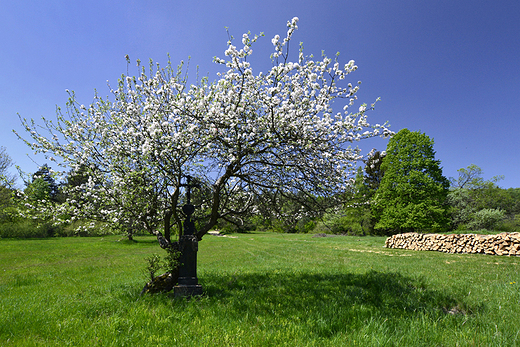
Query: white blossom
241, 134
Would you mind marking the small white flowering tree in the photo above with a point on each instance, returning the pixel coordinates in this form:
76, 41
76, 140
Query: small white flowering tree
243, 134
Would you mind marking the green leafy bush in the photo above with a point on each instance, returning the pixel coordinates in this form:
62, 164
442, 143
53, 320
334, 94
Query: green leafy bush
153, 265
510, 225
339, 224
487, 218
24, 229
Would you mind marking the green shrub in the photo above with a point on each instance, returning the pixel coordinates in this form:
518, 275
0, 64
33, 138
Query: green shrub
85, 228
339, 224
171, 260
24, 229
153, 265
308, 227
303, 225
510, 225
27, 228
487, 218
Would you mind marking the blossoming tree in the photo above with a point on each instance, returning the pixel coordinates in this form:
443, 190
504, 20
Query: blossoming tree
243, 134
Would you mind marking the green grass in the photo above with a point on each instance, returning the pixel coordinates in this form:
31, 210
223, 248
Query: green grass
261, 289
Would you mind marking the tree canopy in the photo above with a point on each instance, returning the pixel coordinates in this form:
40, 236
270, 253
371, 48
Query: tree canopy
412, 193
373, 172
44, 174
6, 179
240, 136
478, 203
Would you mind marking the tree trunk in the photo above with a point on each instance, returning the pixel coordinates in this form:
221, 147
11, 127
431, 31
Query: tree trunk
167, 224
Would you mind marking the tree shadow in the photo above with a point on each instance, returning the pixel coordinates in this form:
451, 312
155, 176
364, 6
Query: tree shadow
126, 241
332, 299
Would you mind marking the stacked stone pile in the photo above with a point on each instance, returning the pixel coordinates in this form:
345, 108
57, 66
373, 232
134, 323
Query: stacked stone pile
500, 244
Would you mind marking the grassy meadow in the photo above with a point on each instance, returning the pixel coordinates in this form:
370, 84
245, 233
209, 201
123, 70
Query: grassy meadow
261, 289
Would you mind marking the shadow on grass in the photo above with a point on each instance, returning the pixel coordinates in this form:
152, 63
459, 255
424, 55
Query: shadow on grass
141, 241
317, 304
333, 299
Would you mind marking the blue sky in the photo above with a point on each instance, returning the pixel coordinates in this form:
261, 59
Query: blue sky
450, 69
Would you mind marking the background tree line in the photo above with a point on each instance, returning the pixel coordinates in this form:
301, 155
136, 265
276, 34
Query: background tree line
398, 190
402, 189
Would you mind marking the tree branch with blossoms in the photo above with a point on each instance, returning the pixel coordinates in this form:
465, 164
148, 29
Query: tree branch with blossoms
242, 134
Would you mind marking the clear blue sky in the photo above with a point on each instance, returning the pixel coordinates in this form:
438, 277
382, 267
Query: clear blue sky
450, 69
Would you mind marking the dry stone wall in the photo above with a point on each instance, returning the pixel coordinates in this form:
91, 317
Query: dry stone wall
500, 244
